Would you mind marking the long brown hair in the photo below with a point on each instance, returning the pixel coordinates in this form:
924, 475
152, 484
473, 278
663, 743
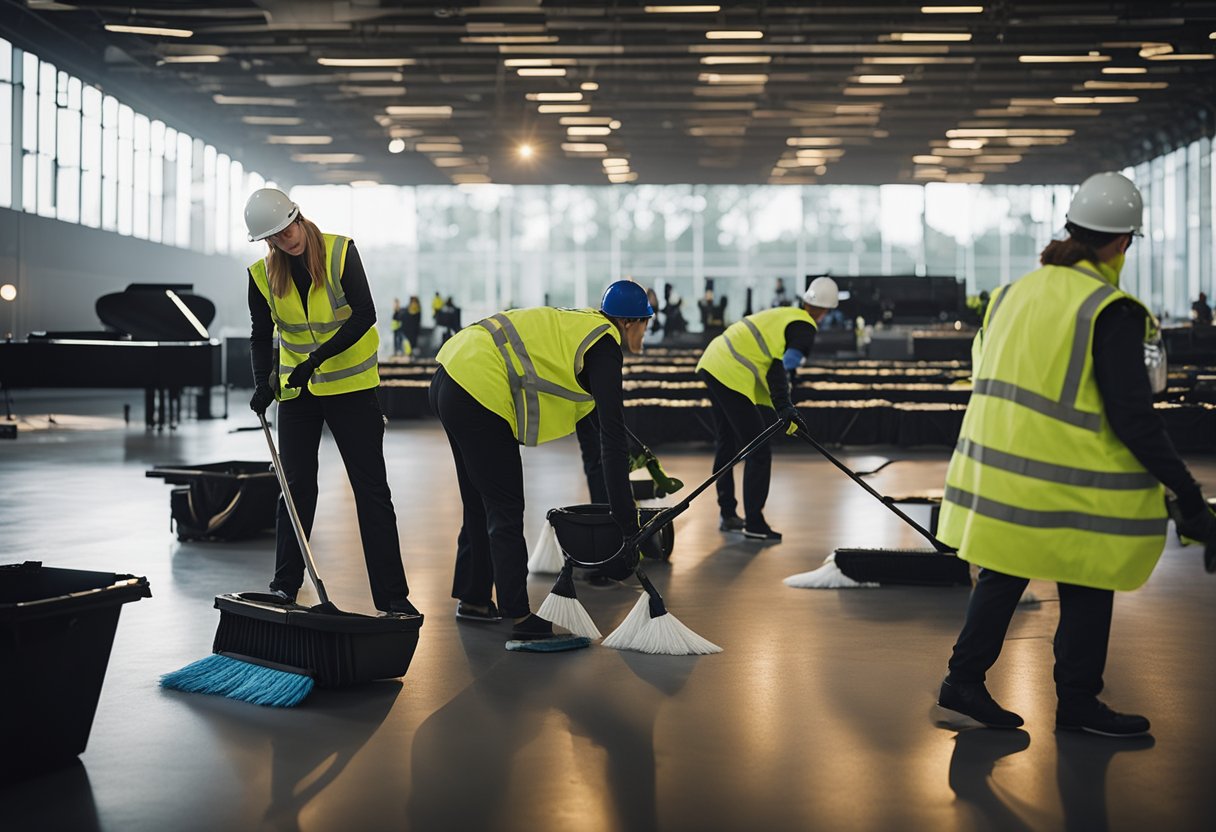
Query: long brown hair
278, 262
1082, 244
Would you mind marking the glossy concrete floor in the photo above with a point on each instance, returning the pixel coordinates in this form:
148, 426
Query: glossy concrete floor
816, 716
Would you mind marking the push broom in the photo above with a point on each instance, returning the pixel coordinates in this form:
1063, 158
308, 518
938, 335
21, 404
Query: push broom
273, 653
649, 627
846, 568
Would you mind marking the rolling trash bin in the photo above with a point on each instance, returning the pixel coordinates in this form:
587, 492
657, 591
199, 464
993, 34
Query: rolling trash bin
588, 533
221, 500
56, 630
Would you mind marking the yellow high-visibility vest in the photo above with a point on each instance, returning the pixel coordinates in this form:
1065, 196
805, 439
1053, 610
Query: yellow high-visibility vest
299, 333
1039, 486
523, 364
741, 356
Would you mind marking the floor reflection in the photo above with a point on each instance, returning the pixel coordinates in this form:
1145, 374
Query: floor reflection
975, 757
1083, 761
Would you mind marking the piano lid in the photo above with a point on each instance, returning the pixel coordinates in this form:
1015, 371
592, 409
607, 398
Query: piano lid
158, 312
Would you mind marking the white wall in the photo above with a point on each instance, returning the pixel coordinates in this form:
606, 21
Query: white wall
61, 269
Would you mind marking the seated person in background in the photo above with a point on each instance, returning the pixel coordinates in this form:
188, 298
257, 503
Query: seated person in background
1201, 313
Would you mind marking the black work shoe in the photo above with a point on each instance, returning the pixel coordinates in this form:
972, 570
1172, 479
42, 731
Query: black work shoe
761, 533
532, 628
1097, 718
402, 607
730, 523
286, 597
970, 704
489, 615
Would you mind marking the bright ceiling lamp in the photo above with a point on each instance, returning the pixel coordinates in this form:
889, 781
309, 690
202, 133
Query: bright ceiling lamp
157, 31
727, 60
396, 146
1095, 99
509, 39
589, 86
588, 131
951, 9
1125, 85
1000, 132
965, 144
584, 147
471, 179
452, 162
253, 101
915, 60
273, 121
420, 111
553, 109
314, 140
930, 37
525, 151
190, 59
927, 159
366, 61
814, 141
877, 79
689, 9
566, 121
1090, 58
1124, 70
541, 72
734, 34
554, 96
438, 147
731, 78
327, 158
513, 63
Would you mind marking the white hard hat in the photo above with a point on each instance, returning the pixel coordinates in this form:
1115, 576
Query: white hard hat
1107, 202
267, 212
823, 292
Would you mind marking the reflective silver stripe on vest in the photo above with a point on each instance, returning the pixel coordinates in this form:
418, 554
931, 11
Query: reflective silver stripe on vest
1039, 404
749, 365
755, 330
333, 285
345, 372
996, 304
301, 349
1075, 520
1063, 409
1051, 472
591, 338
527, 387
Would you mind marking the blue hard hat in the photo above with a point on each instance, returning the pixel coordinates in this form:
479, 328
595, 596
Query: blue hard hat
625, 299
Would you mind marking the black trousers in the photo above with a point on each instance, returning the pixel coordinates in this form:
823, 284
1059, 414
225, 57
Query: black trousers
736, 422
491, 553
1080, 644
587, 429
357, 424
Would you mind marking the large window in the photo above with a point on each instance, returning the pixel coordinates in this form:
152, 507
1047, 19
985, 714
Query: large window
71, 152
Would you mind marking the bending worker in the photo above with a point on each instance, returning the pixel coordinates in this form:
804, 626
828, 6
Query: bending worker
747, 372
312, 293
1059, 467
523, 377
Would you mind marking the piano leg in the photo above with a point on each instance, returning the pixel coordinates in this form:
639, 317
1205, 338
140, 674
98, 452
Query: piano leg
203, 405
149, 408
175, 407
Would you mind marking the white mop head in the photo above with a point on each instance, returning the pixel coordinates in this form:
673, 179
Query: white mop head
569, 613
827, 576
546, 556
664, 635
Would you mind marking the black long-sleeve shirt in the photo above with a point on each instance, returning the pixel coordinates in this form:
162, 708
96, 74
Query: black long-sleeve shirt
799, 335
601, 377
358, 295
1118, 352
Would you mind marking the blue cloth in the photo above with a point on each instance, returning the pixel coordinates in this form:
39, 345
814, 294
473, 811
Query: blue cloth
792, 359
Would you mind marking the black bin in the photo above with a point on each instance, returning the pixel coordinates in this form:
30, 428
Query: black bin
221, 500
589, 533
56, 630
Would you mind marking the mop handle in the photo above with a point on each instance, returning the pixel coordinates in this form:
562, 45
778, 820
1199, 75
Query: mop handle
925, 533
295, 515
649, 454
668, 514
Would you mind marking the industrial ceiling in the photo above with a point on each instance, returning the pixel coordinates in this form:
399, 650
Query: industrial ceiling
539, 92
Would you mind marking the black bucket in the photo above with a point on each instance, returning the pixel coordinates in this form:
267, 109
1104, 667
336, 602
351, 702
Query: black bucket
221, 501
588, 534
56, 630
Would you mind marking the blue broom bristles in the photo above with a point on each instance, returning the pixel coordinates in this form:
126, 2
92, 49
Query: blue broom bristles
226, 676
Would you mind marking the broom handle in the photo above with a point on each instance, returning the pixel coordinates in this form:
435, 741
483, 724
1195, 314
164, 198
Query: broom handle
925, 533
668, 514
646, 451
295, 515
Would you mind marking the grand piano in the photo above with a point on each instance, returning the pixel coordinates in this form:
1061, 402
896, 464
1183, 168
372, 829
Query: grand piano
156, 339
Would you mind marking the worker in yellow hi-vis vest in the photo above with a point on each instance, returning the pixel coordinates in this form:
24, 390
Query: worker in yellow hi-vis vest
524, 377
310, 291
1058, 471
746, 369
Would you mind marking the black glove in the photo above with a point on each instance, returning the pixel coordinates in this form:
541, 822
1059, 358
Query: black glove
1199, 526
789, 413
263, 396
302, 373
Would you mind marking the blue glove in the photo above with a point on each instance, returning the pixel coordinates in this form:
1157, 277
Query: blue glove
302, 373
